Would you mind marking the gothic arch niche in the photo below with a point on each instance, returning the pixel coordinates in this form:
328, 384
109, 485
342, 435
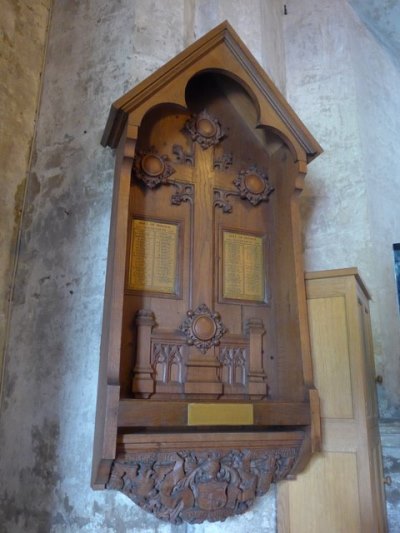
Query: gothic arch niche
205, 326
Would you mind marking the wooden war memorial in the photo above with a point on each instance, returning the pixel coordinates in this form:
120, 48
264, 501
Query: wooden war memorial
206, 392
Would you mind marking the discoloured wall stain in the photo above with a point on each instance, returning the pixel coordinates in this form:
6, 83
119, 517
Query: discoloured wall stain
18, 510
23, 31
44, 449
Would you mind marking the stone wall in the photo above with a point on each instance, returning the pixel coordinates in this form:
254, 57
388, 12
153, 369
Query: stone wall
97, 50
346, 92
23, 31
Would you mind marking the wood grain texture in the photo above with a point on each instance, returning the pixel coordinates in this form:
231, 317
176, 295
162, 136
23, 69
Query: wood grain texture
162, 413
332, 500
342, 487
329, 337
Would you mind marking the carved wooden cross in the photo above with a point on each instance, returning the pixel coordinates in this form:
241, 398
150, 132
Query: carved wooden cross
207, 184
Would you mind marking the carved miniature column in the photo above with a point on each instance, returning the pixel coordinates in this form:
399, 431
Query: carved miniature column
258, 387
143, 382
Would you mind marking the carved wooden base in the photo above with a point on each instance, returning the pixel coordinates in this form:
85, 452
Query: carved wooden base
196, 485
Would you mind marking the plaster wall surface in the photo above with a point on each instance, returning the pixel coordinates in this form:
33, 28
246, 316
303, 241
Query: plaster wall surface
97, 51
23, 30
258, 23
382, 17
346, 92
377, 85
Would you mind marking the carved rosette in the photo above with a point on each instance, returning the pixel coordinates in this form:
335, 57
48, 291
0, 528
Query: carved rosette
204, 129
203, 328
194, 486
253, 185
153, 169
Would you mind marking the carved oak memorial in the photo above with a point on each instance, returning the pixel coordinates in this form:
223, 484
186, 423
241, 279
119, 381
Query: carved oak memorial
206, 394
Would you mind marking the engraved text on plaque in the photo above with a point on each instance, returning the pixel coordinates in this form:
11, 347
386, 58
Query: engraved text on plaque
243, 267
153, 257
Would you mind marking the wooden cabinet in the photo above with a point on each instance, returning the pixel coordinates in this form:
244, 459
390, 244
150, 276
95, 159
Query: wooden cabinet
341, 491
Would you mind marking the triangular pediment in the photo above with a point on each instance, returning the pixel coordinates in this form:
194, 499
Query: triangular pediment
222, 50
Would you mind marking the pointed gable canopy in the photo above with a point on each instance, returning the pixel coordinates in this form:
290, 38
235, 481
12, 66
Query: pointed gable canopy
220, 50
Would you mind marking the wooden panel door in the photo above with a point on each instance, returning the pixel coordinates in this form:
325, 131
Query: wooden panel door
341, 490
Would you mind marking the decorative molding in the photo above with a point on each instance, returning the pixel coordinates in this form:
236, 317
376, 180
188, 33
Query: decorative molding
181, 156
224, 162
221, 199
204, 129
153, 169
253, 185
203, 328
194, 486
184, 193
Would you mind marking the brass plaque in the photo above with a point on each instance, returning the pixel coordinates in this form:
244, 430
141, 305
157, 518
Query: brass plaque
243, 267
153, 257
220, 414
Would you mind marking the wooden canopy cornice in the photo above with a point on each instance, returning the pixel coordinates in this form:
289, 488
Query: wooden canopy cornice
210, 46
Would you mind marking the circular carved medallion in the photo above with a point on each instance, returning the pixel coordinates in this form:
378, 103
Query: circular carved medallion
152, 168
205, 127
254, 183
152, 164
204, 328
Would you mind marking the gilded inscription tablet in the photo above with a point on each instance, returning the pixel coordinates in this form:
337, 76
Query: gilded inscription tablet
153, 257
243, 267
